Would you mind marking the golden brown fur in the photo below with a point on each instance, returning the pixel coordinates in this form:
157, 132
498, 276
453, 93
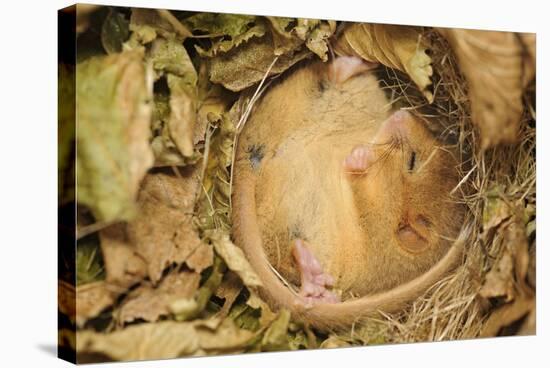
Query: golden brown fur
383, 235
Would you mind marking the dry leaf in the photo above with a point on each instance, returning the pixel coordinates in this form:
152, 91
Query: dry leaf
164, 340
497, 67
161, 340
93, 298
267, 315
185, 309
507, 277
529, 327
113, 119
66, 299
225, 30
183, 114
224, 338
398, 47
317, 42
165, 150
275, 337
247, 64
289, 34
149, 303
161, 234
200, 259
495, 210
124, 265
499, 282
229, 290
169, 56
213, 100
334, 341
233, 256
506, 315
147, 24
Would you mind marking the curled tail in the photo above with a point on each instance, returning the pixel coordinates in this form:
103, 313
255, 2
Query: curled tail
325, 316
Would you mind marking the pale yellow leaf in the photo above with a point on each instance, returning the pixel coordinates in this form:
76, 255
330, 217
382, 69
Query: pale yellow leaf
233, 256
398, 47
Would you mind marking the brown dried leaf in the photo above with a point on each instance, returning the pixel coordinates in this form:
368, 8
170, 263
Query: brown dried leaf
497, 67
247, 64
398, 47
500, 280
507, 278
506, 315
162, 233
66, 297
149, 303
228, 290
200, 259
93, 298
124, 265
164, 340
529, 327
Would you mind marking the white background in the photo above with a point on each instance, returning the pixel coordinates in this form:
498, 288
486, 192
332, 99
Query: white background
28, 209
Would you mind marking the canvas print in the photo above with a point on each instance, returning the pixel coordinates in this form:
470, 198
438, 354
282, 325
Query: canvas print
236, 183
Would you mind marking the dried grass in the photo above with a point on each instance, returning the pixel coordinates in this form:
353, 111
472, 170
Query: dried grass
452, 309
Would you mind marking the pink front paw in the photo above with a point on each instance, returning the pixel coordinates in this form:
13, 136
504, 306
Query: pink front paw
314, 280
359, 160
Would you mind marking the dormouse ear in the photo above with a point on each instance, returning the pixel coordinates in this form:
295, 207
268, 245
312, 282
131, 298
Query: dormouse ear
345, 67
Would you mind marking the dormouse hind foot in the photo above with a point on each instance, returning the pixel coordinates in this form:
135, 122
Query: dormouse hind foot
315, 282
359, 160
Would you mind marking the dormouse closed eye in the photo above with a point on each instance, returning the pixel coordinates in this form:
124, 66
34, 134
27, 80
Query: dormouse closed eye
412, 161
